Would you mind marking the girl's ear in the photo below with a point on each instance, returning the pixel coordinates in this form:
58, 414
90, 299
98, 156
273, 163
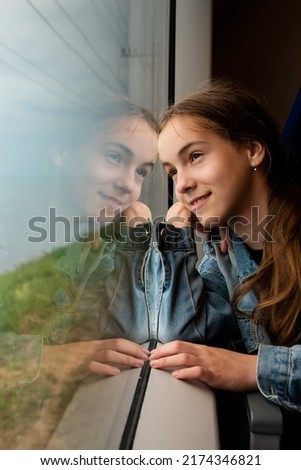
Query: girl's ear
58, 155
256, 153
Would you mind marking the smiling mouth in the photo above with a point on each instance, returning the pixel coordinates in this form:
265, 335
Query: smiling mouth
111, 200
199, 200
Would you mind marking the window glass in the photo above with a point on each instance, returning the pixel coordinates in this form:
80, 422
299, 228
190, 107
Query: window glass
71, 145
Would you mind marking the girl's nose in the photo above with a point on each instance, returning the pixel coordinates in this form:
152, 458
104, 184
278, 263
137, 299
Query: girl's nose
184, 182
126, 183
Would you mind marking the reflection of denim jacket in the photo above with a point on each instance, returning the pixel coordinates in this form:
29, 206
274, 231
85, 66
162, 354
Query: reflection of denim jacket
96, 298
279, 367
70, 273
111, 292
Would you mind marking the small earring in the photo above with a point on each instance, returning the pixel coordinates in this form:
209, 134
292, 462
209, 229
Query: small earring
255, 168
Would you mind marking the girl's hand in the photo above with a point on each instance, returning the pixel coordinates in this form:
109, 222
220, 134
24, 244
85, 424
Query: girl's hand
219, 368
75, 361
137, 213
179, 216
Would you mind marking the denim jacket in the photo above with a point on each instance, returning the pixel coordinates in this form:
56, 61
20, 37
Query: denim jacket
193, 308
212, 321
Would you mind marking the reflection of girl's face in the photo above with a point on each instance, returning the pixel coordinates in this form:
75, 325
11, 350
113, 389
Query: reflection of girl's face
108, 170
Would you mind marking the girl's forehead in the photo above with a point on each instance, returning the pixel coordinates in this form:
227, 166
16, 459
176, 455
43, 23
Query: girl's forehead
126, 126
136, 136
194, 123
183, 128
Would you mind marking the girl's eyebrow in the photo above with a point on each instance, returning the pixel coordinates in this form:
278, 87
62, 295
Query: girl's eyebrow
186, 147
166, 164
148, 164
122, 147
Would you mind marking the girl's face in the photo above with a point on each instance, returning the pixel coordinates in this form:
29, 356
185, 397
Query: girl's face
107, 172
213, 178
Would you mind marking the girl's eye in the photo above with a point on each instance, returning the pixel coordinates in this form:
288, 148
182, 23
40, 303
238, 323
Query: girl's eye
196, 155
172, 172
114, 157
141, 172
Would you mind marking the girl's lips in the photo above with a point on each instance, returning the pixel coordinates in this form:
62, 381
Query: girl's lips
199, 201
112, 201
111, 204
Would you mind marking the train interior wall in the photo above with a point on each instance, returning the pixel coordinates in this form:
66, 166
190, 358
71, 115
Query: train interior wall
259, 42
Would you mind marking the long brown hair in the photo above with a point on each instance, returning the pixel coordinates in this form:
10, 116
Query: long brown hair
241, 115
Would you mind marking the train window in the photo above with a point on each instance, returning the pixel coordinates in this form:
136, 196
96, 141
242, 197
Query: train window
78, 151
59, 61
